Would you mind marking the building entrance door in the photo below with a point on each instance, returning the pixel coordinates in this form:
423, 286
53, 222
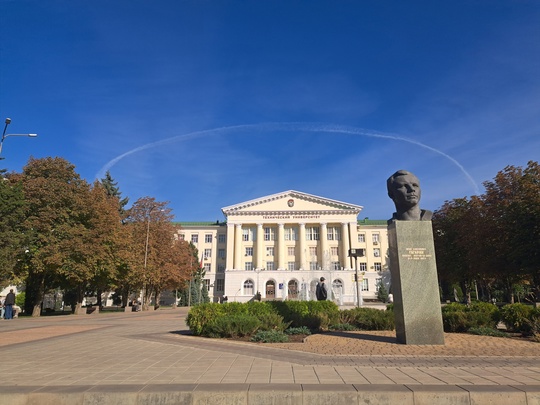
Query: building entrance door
270, 290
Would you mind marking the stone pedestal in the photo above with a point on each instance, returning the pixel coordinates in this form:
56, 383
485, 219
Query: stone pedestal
415, 287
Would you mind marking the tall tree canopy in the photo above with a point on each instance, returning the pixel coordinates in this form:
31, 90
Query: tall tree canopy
12, 238
493, 238
160, 259
69, 225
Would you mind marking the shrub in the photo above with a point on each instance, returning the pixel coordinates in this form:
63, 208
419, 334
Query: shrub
483, 331
534, 323
460, 317
316, 315
232, 326
270, 336
368, 318
272, 321
302, 330
517, 317
201, 315
20, 298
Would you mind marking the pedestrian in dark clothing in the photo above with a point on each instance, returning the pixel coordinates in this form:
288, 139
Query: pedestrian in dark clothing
320, 291
8, 303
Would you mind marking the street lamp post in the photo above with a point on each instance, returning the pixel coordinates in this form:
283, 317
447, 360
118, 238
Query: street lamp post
4, 135
355, 253
148, 217
258, 294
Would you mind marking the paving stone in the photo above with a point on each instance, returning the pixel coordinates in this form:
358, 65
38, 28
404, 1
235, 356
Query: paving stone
382, 394
439, 394
495, 395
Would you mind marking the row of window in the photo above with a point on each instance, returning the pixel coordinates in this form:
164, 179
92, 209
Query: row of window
208, 238
375, 238
270, 251
248, 286
291, 233
312, 266
293, 289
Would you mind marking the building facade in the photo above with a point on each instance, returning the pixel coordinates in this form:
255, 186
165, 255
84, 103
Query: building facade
280, 245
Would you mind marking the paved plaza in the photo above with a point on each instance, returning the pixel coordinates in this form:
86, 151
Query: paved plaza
150, 358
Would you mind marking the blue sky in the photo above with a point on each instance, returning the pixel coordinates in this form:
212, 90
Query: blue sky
206, 104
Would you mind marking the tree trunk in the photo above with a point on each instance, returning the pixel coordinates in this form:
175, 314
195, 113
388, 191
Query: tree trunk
147, 298
79, 310
99, 303
78, 306
125, 296
156, 300
37, 310
39, 295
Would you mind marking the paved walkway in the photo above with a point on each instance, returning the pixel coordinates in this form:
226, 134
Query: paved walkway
147, 358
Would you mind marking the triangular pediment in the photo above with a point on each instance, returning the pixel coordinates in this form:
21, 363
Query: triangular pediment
291, 202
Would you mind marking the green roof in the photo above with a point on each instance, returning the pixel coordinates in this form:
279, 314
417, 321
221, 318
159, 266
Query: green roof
367, 221
200, 223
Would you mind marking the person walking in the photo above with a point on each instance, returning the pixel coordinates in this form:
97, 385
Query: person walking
320, 291
8, 304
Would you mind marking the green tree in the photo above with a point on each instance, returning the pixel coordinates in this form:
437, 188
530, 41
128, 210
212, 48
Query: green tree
457, 229
113, 190
159, 259
493, 238
122, 271
512, 202
69, 226
194, 290
12, 238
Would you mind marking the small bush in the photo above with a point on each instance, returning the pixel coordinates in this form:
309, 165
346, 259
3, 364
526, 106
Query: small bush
302, 330
483, 331
534, 324
201, 315
368, 318
272, 321
459, 318
517, 318
232, 326
316, 315
270, 336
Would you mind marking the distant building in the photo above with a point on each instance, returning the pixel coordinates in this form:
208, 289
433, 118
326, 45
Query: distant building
280, 245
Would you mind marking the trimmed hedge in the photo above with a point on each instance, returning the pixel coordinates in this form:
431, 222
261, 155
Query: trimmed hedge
315, 315
460, 318
213, 319
368, 318
200, 316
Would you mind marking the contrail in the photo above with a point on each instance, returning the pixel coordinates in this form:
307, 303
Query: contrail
290, 126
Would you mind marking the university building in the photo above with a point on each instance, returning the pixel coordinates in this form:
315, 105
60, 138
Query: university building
280, 245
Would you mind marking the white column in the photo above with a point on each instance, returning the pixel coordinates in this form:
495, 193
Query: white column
345, 245
230, 247
280, 248
259, 247
302, 244
238, 247
324, 243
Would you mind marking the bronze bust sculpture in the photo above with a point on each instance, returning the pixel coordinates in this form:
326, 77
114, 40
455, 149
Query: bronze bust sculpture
404, 189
